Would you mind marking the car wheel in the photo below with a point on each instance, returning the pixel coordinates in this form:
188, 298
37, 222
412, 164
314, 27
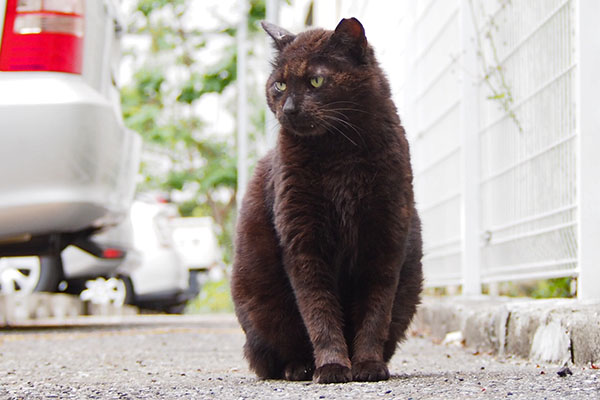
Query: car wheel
176, 309
30, 274
51, 274
115, 291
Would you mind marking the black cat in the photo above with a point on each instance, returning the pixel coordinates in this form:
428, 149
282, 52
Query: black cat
327, 273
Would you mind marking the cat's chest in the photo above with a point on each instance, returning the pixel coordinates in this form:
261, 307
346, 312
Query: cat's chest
347, 196
338, 192
346, 186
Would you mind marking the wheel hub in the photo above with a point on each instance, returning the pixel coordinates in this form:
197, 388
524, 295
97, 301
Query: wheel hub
19, 274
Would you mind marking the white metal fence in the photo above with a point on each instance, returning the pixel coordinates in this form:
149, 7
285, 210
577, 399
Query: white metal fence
499, 101
529, 154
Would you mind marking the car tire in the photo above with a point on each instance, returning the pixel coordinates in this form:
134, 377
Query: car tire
175, 309
29, 274
129, 292
51, 273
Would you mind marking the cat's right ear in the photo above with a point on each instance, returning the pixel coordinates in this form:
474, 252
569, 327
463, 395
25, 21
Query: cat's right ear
281, 37
350, 34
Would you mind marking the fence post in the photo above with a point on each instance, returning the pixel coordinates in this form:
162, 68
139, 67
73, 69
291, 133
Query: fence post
469, 125
588, 122
271, 123
242, 104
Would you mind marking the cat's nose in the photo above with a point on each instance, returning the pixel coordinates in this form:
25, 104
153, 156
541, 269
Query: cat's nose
289, 107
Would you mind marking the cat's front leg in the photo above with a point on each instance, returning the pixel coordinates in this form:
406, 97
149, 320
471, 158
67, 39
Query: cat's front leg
318, 303
373, 315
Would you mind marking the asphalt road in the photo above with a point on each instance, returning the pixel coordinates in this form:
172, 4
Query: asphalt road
201, 358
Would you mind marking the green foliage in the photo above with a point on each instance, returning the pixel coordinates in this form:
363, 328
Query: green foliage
493, 73
162, 101
148, 6
538, 289
191, 208
142, 104
213, 297
551, 288
216, 80
257, 13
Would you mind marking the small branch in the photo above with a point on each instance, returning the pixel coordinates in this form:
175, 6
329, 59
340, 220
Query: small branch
502, 94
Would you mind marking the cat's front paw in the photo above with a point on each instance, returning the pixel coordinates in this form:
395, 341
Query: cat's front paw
297, 371
332, 373
370, 371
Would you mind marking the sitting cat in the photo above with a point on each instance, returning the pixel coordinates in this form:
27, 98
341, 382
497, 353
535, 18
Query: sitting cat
327, 273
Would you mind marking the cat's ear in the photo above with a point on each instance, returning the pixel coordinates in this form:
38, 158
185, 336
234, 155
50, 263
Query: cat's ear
350, 34
281, 37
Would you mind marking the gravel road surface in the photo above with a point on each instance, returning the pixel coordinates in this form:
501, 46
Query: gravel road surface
201, 358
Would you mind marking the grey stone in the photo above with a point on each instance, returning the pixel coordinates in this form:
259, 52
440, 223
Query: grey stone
553, 330
551, 343
520, 330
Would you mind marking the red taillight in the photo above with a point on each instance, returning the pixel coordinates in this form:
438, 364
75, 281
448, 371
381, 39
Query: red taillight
43, 35
112, 253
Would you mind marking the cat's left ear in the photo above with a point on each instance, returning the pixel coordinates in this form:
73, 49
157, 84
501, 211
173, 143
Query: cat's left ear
351, 34
281, 37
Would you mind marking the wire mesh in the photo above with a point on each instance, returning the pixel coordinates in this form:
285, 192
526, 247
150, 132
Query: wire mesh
435, 145
527, 145
527, 136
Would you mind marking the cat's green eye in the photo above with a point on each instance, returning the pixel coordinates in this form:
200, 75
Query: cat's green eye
281, 86
316, 81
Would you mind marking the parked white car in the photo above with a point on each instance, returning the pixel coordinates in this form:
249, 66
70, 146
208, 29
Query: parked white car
139, 266
196, 241
114, 249
160, 280
67, 162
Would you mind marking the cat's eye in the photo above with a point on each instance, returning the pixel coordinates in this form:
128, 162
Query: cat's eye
281, 86
316, 81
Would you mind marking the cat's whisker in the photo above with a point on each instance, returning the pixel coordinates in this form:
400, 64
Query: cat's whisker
343, 121
347, 109
272, 126
342, 102
340, 114
344, 107
329, 125
347, 123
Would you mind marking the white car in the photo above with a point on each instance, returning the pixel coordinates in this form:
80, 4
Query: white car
160, 280
195, 240
114, 249
151, 275
67, 162
139, 265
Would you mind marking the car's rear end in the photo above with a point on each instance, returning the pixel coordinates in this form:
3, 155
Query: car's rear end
67, 163
160, 281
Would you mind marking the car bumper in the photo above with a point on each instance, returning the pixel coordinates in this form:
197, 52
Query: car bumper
162, 299
66, 160
158, 272
78, 264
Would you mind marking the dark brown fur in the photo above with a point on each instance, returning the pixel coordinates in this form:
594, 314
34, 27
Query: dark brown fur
327, 273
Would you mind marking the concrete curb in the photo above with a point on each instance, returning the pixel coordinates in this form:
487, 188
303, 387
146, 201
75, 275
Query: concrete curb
19, 309
546, 331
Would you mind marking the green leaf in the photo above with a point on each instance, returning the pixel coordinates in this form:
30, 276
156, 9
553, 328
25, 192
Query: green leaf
497, 96
216, 80
257, 13
159, 103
